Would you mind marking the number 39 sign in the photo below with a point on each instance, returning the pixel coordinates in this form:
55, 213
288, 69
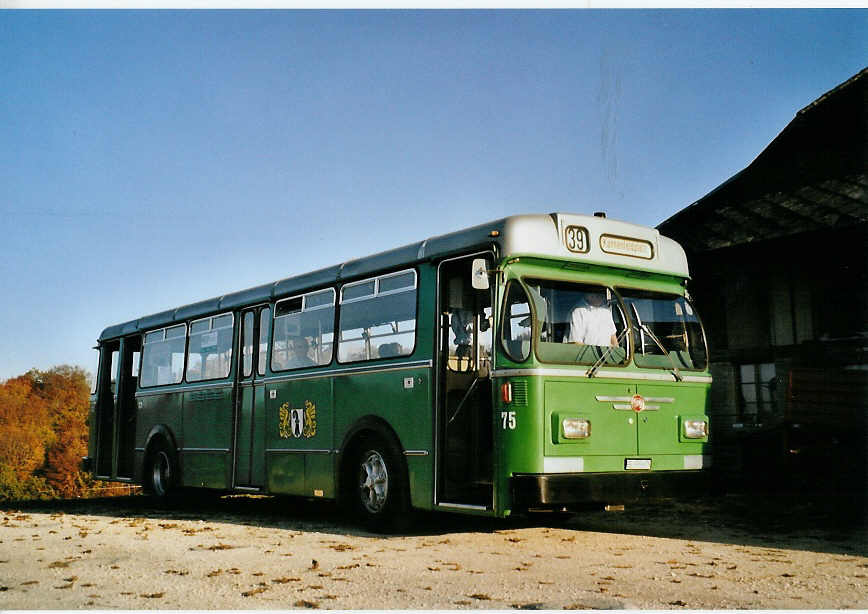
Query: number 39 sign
576, 239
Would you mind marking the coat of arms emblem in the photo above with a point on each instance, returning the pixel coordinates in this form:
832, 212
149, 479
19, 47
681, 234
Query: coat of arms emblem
297, 422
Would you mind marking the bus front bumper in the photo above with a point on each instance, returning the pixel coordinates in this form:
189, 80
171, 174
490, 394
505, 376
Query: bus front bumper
544, 490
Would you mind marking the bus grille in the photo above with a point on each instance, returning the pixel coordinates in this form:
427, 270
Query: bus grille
519, 393
206, 395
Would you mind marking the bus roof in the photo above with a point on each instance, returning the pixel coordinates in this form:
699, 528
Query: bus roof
560, 236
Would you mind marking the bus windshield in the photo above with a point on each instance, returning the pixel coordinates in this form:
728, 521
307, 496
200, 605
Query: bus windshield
666, 331
589, 324
578, 323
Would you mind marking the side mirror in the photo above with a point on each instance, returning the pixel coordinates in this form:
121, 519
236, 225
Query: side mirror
479, 274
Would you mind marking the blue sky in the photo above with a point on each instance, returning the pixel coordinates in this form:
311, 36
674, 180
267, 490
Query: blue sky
150, 159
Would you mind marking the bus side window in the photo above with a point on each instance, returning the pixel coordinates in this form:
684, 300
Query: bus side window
209, 355
378, 320
93, 375
469, 329
264, 324
303, 331
247, 345
163, 356
517, 322
114, 372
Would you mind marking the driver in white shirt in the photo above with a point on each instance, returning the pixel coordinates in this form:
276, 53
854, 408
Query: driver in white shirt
591, 323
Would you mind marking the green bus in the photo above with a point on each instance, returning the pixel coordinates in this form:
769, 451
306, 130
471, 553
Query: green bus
537, 362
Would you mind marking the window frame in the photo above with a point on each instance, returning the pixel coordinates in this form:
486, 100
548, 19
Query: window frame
164, 330
262, 361
304, 309
242, 346
94, 384
632, 324
211, 328
625, 319
763, 408
505, 321
377, 294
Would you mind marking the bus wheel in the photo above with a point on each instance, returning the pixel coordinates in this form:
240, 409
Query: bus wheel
160, 471
380, 486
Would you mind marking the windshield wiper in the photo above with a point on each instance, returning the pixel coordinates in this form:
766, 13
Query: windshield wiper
675, 372
590, 372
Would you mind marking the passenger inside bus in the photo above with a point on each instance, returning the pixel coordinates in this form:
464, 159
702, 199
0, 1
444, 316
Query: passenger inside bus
591, 322
298, 354
460, 323
389, 350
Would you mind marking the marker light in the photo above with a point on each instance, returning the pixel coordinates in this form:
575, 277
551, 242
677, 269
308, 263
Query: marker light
506, 392
576, 428
695, 429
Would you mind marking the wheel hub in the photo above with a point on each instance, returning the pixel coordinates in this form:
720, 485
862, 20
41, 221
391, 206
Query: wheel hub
161, 474
373, 481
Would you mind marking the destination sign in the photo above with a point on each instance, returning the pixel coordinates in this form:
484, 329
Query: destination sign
625, 246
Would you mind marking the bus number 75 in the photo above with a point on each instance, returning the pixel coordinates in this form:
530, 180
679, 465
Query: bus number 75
508, 418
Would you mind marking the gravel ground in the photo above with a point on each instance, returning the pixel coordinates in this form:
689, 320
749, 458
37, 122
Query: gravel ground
207, 552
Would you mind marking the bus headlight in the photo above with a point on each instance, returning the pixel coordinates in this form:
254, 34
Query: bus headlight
576, 428
695, 429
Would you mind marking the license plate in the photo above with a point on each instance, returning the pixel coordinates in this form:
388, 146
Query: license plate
638, 463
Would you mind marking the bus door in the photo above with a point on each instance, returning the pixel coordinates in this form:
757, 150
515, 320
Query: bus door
105, 407
465, 431
131, 348
250, 399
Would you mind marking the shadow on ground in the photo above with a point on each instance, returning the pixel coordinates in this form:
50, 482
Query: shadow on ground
818, 524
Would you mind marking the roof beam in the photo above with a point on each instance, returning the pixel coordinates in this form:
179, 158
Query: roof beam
852, 207
756, 225
805, 221
826, 214
806, 208
857, 181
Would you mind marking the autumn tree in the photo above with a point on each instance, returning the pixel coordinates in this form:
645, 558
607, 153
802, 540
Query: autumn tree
43, 432
65, 391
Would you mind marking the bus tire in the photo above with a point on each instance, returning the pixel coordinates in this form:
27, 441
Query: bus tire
160, 471
377, 485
